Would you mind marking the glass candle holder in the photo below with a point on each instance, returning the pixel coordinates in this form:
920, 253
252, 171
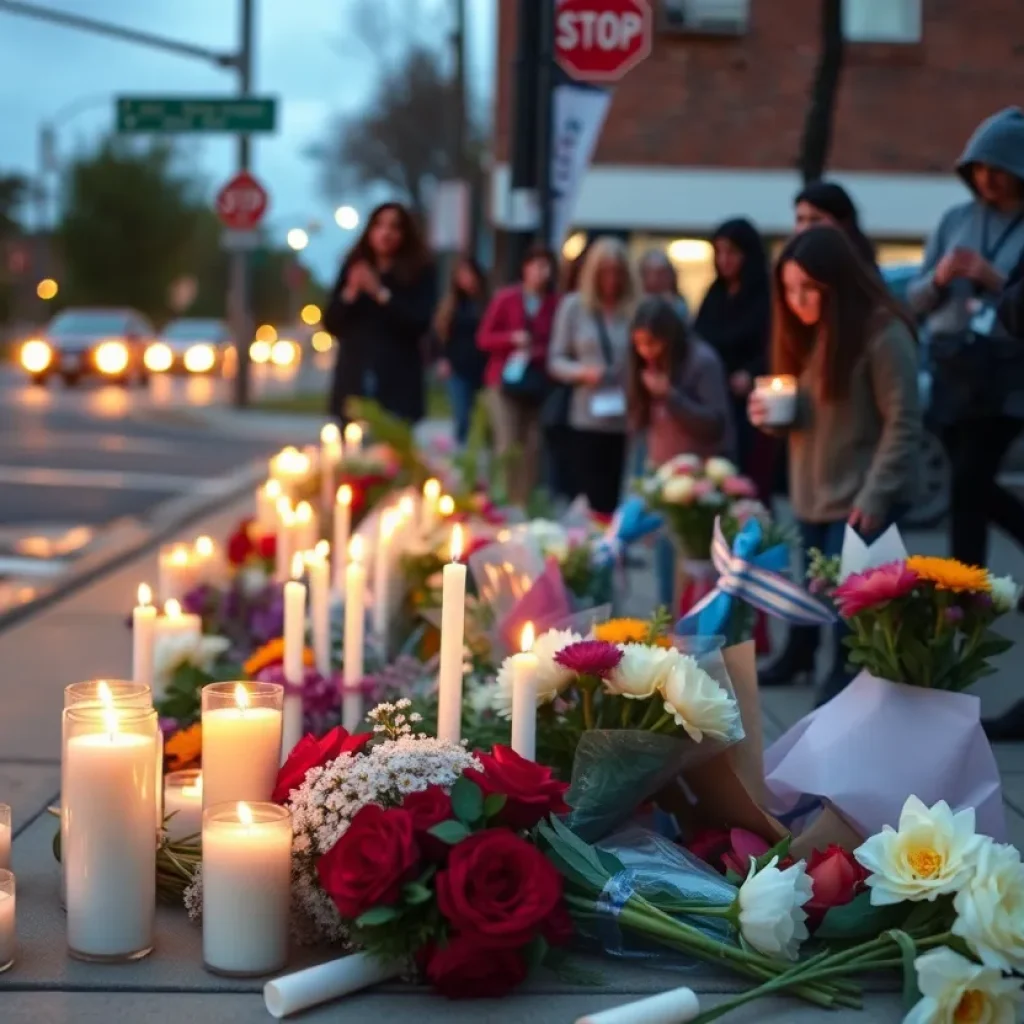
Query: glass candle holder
247, 856
8, 933
778, 399
110, 857
242, 724
6, 834
183, 805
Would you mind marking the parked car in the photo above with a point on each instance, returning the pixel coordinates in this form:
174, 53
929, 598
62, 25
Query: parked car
933, 463
82, 342
190, 345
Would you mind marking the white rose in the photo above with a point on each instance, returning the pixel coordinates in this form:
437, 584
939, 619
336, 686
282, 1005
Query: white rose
698, 703
718, 469
933, 852
772, 918
954, 988
990, 908
678, 490
678, 464
551, 678
641, 671
1005, 593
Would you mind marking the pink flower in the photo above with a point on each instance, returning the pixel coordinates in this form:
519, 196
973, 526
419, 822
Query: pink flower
739, 487
703, 488
868, 589
589, 658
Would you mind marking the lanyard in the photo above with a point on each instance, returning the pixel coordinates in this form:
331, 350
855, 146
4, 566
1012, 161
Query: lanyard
991, 252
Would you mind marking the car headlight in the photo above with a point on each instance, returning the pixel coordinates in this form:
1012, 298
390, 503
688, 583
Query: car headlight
158, 358
112, 357
259, 351
36, 355
200, 359
283, 353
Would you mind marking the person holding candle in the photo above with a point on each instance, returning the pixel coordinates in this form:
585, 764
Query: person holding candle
853, 443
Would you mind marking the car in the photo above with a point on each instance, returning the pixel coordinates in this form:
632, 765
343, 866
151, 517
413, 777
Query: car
89, 342
934, 470
189, 345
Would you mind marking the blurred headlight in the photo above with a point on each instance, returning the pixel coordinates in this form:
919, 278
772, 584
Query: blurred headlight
112, 357
200, 359
259, 351
36, 355
158, 358
283, 353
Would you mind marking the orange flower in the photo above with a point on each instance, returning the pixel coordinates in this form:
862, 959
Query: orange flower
185, 748
949, 574
628, 631
272, 653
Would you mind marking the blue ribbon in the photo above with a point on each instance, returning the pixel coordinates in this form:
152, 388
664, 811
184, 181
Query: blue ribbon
745, 574
631, 521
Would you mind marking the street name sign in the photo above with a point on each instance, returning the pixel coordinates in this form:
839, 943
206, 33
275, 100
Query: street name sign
240, 115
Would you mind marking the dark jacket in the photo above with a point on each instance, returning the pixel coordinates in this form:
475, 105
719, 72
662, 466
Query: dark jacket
460, 349
379, 345
1011, 302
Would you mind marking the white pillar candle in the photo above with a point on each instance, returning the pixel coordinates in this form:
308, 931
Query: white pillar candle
777, 396
324, 983
318, 572
381, 581
143, 636
342, 529
6, 828
353, 440
111, 841
207, 561
307, 527
8, 932
330, 456
183, 805
176, 573
174, 622
285, 539
676, 1006
355, 615
428, 510
294, 648
247, 858
524, 697
266, 506
453, 621
241, 741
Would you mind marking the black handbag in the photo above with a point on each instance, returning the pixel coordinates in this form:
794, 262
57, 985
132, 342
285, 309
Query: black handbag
531, 388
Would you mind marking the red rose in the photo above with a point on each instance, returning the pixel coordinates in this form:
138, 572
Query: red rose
369, 864
466, 970
266, 548
499, 888
311, 752
558, 929
711, 845
836, 877
429, 807
533, 793
240, 545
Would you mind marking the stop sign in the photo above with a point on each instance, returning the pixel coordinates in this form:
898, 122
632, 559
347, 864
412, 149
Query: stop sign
600, 40
241, 203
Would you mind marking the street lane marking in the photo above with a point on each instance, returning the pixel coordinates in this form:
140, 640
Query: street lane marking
29, 476
108, 444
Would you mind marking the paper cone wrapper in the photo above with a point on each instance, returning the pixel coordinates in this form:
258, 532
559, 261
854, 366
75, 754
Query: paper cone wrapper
828, 829
294, 993
747, 756
674, 1007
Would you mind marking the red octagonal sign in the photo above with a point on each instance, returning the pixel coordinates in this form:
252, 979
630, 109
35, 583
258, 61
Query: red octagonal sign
600, 40
241, 203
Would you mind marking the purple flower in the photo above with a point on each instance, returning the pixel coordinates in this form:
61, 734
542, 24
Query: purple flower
589, 658
954, 615
199, 600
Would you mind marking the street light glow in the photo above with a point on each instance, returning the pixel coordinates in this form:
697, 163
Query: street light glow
347, 218
298, 239
310, 314
47, 288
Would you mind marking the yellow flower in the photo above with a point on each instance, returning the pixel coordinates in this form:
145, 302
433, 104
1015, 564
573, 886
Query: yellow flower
272, 653
949, 574
627, 631
185, 748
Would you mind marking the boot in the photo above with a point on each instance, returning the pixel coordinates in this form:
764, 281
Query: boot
796, 663
1009, 726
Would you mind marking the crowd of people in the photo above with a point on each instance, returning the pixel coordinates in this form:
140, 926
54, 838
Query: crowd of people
580, 365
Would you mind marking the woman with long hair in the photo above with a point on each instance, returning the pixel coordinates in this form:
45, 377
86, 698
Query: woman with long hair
456, 322
589, 349
825, 202
857, 428
379, 312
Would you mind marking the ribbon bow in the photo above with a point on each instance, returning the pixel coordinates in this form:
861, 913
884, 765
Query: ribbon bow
757, 579
631, 521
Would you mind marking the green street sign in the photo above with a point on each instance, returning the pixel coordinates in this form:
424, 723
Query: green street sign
171, 114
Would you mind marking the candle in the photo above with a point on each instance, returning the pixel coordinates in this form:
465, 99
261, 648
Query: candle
453, 619
446, 505
6, 828
247, 858
294, 647
524, 697
290, 468
307, 527
342, 529
352, 676
406, 514
428, 510
330, 456
266, 507
183, 805
381, 569
285, 539
241, 741
677, 1006
143, 636
777, 396
177, 572
353, 441
174, 622
110, 855
318, 571
206, 560
8, 934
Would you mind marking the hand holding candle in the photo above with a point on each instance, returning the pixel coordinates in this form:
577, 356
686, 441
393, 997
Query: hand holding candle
453, 621
524, 697
774, 399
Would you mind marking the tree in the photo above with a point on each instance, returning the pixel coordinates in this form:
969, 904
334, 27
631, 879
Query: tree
818, 124
13, 193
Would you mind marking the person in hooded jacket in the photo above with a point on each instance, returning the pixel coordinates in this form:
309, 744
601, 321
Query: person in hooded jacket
978, 382
825, 202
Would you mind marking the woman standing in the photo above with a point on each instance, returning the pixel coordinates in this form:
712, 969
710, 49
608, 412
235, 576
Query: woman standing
379, 312
857, 429
460, 361
825, 202
515, 334
589, 349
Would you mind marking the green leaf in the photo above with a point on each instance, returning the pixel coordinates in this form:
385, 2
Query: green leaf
450, 832
858, 919
581, 858
535, 953
780, 850
414, 893
908, 952
494, 804
467, 801
377, 916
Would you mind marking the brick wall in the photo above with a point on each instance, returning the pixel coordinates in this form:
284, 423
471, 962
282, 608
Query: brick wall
741, 102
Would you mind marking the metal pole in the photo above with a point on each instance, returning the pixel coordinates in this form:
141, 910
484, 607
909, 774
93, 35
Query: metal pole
545, 99
238, 298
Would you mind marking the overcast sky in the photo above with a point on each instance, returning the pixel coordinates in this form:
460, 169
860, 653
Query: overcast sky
305, 56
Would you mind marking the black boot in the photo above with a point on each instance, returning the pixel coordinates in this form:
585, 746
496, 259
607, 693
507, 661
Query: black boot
796, 663
1009, 726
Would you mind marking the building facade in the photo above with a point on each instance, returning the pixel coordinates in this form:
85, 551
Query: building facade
709, 126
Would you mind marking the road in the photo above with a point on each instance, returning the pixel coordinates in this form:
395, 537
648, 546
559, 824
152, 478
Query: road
75, 461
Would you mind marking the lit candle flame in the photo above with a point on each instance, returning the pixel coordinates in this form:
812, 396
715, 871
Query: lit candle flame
245, 814
776, 383
179, 556
304, 513
446, 506
284, 506
204, 547
105, 695
172, 608
504, 536
432, 489
526, 641
353, 434
297, 565
241, 696
345, 494
406, 506
355, 549
456, 549
330, 434
322, 550
110, 721
272, 489
145, 595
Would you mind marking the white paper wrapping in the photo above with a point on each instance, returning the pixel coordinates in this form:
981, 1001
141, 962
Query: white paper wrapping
674, 1007
294, 993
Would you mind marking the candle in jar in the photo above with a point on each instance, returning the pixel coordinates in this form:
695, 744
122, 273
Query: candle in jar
183, 805
342, 529
143, 636
111, 842
241, 741
381, 573
318, 572
355, 615
353, 440
266, 507
453, 619
8, 933
247, 856
524, 697
6, 827
294, 647
330, 456
285, 539
777, 396
428, 510
307, 527
177, 572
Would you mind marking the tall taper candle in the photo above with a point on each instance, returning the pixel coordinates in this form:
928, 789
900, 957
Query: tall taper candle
285, 539
330, 456
266, 506
342, 529
318, 571
381, 583
143, 635
294, 647
353, 440
428, 510
355, 615
307, 527
453, 620
524, 697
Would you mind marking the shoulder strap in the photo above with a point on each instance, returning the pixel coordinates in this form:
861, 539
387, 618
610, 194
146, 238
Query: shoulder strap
602, 337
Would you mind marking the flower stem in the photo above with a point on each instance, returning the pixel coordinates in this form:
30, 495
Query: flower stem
588, 708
